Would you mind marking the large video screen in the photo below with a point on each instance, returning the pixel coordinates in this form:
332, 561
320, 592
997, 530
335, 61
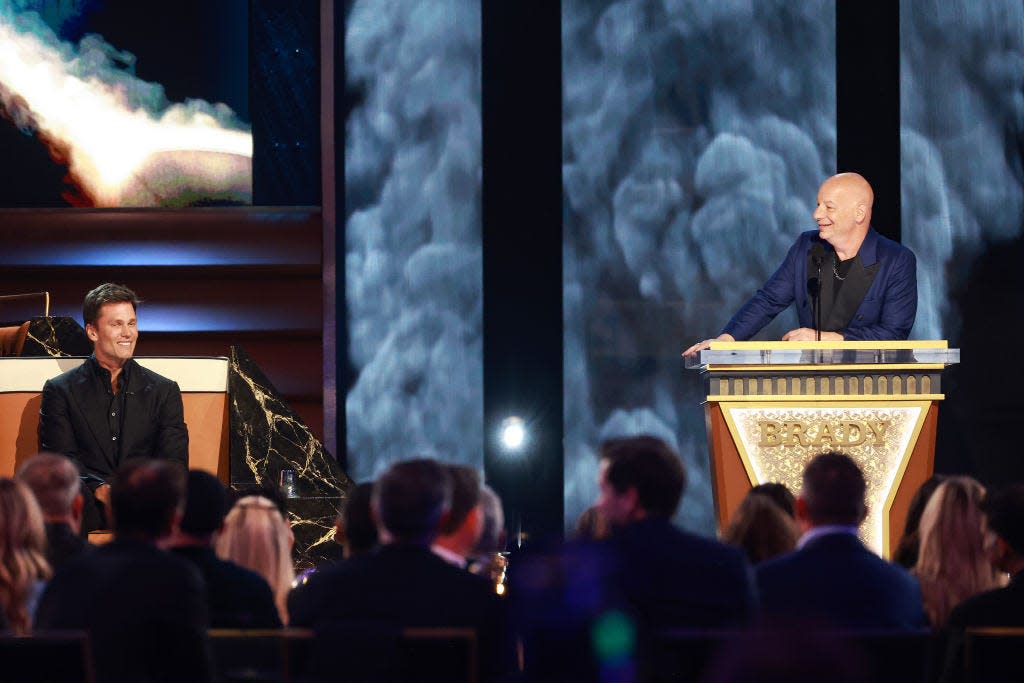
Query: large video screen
120, 103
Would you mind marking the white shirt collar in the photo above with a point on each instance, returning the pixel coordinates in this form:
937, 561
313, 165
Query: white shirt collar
449, 556
825, 530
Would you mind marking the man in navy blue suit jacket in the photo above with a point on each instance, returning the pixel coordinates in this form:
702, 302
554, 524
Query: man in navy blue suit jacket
666, 577
832, 580
867, 286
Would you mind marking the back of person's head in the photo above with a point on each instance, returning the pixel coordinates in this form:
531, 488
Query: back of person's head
357, 531
1004, 513
145, 497
22, 552
778, 494
410, 499
649, 465
256, 536
54, 481
952, 565
465, 495
206, 503
107, 293
907, 550
492, 535
833, 490
761, 529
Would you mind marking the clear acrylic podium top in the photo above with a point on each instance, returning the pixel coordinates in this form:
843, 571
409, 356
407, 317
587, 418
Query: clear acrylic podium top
761, 353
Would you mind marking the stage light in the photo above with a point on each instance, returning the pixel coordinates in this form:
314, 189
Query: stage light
512, 434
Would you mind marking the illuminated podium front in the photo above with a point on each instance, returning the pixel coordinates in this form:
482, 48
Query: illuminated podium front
772, 406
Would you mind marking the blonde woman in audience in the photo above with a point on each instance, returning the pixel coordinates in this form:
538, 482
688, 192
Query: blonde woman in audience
256, 536
952, 565
761, 528
23, 566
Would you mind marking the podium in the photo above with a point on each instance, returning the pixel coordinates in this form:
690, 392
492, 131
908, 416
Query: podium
772, 406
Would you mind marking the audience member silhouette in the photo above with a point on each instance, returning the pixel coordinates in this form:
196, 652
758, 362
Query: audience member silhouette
906, 551
1001, 607
54, 481
355, 530
778, 494
144, 609
403, 583
1004, 543
668, 577
256, 536
237, 597
465, 522
761, 528
23, 566
951, 564
832, 579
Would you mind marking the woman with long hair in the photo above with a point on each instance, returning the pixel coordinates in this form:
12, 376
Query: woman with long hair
761, 528
256, 536
23, 565
951, 563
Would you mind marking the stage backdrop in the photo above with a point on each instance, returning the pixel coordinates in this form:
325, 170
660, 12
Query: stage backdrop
962, 130
412, 235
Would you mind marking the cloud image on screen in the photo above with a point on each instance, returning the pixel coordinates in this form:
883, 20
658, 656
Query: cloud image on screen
79, 126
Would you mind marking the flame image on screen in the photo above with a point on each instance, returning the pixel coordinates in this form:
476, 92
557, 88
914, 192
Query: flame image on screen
123, 143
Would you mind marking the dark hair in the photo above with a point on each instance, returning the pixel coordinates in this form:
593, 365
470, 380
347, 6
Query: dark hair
206, 503
1004, 511
410, 497
144, 496
649, 465
465, 495
833, 490
356, 519
107, 293
906, 552
778, 494
54, 481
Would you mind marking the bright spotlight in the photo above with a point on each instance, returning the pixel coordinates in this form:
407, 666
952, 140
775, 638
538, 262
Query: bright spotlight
512, 433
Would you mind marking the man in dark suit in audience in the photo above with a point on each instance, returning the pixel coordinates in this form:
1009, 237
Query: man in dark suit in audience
465, 522
832, 580
54, 482
402, 583
144, 609
669, 577
237, 597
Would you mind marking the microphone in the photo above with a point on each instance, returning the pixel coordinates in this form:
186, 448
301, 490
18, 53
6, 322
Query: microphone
817, 254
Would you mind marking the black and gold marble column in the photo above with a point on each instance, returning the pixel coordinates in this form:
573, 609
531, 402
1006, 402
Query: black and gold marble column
267, 437
55, 336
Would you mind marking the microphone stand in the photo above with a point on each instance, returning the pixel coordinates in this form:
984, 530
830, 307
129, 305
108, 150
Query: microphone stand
817, 302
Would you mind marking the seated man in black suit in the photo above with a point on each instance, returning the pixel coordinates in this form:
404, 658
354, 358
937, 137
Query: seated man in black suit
237, 597
54, 482
403, 583
110, 409
144, 609
669, 577
832, 580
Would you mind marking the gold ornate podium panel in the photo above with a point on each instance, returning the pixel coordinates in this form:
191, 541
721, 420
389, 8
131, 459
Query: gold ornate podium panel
772, 406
